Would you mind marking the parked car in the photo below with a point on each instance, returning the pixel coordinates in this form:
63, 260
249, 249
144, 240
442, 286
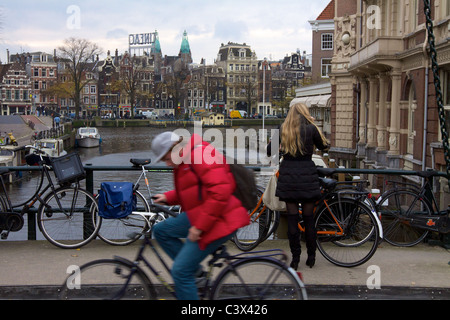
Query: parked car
139, 116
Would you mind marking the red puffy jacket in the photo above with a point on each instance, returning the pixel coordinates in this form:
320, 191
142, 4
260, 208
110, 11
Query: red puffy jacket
216, 211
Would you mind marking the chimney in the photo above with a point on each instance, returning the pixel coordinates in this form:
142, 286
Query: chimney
7, 56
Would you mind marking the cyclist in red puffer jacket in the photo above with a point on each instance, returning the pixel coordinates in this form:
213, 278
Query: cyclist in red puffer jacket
203, 187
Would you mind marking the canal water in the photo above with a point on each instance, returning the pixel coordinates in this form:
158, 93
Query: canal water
119, 145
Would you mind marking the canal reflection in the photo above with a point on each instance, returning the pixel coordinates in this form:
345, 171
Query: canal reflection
118, 146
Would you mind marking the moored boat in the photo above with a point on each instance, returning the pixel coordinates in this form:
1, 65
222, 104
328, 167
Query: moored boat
88, 137
52, 147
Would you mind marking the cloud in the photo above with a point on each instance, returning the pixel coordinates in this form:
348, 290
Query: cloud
117, 34
270, 28
234, 31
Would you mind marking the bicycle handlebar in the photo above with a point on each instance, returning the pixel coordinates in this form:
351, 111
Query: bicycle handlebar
33, 147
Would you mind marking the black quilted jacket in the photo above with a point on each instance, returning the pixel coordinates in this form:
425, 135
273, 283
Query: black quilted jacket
298, 180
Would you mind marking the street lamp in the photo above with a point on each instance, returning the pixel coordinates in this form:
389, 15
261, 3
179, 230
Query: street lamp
264, 91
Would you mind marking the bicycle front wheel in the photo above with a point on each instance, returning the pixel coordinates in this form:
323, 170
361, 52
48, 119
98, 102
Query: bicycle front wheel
107, 279
121, 232
69, 218
397, 209
258, 279
347, 232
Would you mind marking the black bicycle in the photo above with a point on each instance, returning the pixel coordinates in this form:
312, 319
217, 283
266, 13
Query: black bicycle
67, 215
409, 213
255, 276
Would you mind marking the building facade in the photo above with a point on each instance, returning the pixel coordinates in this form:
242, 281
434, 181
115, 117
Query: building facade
323, 43
384, 108
241, 67
15, 89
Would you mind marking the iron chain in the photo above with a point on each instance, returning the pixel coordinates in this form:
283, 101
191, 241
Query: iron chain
437, 85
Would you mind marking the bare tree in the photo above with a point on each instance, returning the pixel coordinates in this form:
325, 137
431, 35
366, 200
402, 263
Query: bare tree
76, 54
135, 72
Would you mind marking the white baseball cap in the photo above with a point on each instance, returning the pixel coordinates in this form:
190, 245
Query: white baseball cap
162, 143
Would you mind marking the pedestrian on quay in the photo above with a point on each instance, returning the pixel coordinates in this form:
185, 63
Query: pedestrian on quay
57, 121
298, 180
203, 187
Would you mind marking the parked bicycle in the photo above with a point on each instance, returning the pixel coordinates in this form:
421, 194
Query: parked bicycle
37, 136
117, 231
409, 213
67, 214
256, 276
348, 228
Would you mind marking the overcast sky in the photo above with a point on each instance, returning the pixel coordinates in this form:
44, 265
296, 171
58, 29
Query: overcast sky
272, 28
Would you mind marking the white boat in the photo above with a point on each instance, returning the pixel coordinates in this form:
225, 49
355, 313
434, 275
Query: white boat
52, 147
88, 137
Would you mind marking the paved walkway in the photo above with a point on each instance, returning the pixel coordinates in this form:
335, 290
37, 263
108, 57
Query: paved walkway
21, 130
422, 271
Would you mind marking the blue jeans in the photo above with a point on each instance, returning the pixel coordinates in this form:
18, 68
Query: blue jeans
186, 255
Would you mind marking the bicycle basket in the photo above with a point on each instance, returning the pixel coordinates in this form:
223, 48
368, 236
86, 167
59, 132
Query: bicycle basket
68, 168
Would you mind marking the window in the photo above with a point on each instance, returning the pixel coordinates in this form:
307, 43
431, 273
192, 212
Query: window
327, 41
231, 67
93, 89
326, 67
36, 72
446, 97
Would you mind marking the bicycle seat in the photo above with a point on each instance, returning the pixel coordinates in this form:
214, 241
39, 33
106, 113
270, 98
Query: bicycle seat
326, 172
426, 174
3, 171
327, 183
140, 162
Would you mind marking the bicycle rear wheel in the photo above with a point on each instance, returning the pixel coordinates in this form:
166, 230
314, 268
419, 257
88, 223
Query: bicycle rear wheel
247, 238
258, 279
107, 279
69, 218
397, 209
347, 232
121, 232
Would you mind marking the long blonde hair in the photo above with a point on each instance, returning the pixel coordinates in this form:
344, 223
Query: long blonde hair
291, 141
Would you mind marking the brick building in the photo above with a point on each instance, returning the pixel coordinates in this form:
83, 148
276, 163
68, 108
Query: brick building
15, 89
322, 43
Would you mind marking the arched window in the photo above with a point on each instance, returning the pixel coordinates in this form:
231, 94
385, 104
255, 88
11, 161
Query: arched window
411, 118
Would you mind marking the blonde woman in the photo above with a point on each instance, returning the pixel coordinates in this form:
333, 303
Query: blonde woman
298, 181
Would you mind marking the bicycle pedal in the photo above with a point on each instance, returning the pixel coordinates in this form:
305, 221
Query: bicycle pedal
4, 235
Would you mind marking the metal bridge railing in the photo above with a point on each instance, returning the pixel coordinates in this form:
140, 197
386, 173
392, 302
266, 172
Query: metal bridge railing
90, 176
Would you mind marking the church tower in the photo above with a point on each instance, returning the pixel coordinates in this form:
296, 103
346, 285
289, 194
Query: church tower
185, 50
156, 53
